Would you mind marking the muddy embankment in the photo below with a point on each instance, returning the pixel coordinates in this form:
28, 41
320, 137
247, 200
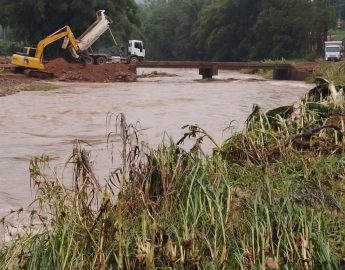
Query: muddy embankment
302, 70
11, 82
65, 71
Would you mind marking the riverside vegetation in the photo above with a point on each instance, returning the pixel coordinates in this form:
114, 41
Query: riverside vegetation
183, 30
270, 197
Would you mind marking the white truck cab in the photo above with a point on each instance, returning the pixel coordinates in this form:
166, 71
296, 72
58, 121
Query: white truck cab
136, 51
333, 50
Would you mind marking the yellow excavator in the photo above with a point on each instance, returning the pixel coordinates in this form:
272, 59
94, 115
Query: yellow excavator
31, 58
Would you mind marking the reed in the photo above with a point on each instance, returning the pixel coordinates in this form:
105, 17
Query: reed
333, 72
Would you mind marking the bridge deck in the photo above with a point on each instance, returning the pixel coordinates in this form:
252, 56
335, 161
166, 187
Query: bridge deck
219, 65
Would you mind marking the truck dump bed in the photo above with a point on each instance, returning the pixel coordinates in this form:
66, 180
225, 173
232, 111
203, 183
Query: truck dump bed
92, 34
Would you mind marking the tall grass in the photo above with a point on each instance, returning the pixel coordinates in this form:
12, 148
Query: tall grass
271, 197
333, 72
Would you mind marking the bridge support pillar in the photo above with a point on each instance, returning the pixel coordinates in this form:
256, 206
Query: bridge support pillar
282, 74
208, 72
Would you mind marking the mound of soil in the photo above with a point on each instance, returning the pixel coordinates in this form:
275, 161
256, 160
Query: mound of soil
65, 71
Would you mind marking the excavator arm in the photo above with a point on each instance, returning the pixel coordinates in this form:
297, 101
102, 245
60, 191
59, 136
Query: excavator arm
64, 32
32, 57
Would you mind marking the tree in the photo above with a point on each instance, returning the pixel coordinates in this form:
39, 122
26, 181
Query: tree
236, 30
323, 20
283, 29
159, 29
244, 30
339, 8
167, 28
224, 29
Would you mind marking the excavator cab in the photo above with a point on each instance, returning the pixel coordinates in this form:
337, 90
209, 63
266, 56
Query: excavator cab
27, 59
28, 51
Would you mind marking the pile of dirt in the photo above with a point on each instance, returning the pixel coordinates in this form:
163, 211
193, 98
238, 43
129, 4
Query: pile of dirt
65, 71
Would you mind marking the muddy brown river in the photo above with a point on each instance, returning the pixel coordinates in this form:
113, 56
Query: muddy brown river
33, 123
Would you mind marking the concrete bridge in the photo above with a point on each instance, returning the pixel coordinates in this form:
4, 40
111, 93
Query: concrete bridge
209, 69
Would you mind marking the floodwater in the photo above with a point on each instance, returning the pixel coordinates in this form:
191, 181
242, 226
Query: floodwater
33, 123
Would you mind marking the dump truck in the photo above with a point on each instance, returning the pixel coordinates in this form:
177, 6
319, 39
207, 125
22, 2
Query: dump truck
135, 50
31, 59
333, 50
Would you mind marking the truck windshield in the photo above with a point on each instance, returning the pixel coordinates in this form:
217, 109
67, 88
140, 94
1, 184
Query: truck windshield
332, 49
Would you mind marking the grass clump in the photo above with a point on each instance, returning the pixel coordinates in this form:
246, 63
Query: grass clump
331, 71
271, 197
155, 74
264, 73
39, 87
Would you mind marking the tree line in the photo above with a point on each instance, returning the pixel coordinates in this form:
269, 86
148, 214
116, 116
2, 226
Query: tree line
229, 30
237, 29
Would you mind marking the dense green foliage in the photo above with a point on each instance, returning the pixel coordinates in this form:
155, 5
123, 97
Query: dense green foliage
281, 29
9, 47
268, 198
168, 28
339, 7
223, 30
188, 30
236, 30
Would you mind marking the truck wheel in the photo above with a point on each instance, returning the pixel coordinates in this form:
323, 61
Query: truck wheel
134, 60
101, 60
88, 60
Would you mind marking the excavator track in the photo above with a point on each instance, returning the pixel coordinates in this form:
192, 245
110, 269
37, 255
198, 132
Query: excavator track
38, 74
